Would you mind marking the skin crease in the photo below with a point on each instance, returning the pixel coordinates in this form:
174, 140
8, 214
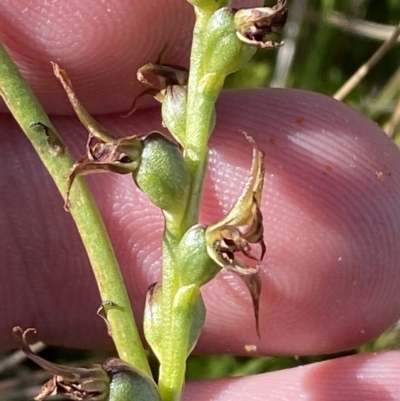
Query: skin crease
331, 215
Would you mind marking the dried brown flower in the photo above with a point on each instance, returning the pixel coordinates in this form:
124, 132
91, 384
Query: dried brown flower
262, 27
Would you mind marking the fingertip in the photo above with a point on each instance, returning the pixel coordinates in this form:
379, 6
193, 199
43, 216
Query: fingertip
100, 44
366, 377
330, 276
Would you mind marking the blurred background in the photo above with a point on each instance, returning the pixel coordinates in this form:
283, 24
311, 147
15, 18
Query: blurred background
326, 42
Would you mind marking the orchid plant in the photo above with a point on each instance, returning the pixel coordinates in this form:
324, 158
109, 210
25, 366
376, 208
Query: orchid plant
170, 171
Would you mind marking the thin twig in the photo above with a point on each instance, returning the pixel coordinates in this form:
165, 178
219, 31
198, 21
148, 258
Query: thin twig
354, 80
360, 27
394, 122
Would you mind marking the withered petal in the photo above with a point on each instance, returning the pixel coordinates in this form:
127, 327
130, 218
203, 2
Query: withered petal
147, 92
243, 225
246, 208
262, 26
121, 156
166, 74
75, 382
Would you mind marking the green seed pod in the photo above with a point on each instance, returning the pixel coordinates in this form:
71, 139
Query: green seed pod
129, 384
155, 162
196, 266
163, 174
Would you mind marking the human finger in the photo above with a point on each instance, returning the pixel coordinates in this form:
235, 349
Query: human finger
100, 44
330, 277
363, 377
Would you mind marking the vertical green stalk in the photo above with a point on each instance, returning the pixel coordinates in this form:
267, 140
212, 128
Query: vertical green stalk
58, 161
198, 118
204, 87
172, 368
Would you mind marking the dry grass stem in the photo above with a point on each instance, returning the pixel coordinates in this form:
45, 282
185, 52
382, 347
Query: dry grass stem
354, 80
360, 27
394, 122
18, 357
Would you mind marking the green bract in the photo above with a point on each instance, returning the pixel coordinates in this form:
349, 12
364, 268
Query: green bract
195, 264
209, 5
226, 53
162, 174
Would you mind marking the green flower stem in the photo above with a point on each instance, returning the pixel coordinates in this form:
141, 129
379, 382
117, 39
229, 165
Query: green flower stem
177, 325
58, 161
172, 367
198, 121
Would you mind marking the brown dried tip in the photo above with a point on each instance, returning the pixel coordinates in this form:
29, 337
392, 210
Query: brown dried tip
167, 76
242, 226
79, 384
109, 154
93, 127
262, 27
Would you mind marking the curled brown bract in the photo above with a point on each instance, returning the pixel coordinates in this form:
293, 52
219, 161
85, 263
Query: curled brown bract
169, 77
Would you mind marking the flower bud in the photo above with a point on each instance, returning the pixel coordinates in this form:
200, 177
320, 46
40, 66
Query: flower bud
153, 319
156, 163
188, 306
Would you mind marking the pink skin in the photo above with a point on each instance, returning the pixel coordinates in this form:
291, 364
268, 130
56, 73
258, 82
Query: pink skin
330, 206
